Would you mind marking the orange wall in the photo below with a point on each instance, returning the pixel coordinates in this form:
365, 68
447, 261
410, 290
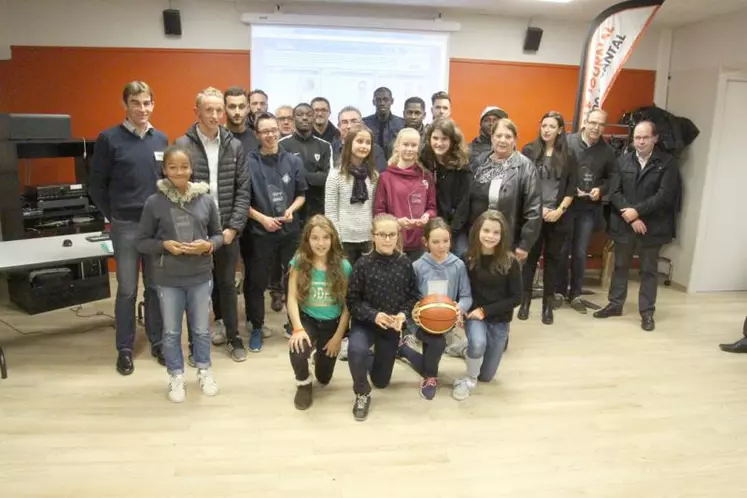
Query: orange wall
527, 91
87, 84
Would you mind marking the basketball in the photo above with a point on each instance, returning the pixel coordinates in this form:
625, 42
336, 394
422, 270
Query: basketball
437, 314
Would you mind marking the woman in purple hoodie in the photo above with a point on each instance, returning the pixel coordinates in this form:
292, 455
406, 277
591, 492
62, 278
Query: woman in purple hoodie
406, 191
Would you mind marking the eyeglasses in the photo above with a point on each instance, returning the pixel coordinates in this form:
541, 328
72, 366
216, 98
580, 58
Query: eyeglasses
268, 132
386, 236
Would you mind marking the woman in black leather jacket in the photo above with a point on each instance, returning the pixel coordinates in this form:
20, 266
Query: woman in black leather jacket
506, 180
557, 177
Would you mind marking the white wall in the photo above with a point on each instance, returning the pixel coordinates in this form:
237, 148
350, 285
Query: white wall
700, 52
215, 24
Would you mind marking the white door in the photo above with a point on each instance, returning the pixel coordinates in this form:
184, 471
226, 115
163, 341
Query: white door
721, 251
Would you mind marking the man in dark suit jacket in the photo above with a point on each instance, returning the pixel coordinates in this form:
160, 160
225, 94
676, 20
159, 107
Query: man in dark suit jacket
644, 194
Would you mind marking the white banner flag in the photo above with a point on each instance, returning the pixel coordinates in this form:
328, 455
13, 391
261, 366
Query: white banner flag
612, 38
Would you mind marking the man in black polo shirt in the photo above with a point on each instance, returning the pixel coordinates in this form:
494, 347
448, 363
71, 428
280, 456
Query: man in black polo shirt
237, 109
323, 127
316, 155
218, 160
127, 163
596, 165
383, 123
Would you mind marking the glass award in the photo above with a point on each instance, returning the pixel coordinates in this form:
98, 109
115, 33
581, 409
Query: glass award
587, 179
185, 231
416, 203
277, 200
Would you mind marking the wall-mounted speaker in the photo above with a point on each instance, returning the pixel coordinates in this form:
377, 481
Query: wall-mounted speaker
532, 39
172, 22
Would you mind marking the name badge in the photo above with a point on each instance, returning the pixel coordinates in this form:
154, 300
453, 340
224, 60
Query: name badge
158, 155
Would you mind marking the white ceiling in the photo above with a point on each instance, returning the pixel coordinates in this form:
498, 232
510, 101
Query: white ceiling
673, 12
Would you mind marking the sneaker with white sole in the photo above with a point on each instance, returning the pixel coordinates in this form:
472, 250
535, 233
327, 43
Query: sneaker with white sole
177, 393
218, 333
463, 388
236, 350
343, 354
266, 332
207, 382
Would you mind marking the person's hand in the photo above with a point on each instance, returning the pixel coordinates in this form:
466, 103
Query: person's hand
383, 320
460, 317
288, 215
521, 254
333, 346
629, 214
581, 193
476, 314
545, 211
595, 194
197, 247
228, 235
173, 247
398, 322
297, 340
553, 215
423, 219
404, 222
271, 224
639, 227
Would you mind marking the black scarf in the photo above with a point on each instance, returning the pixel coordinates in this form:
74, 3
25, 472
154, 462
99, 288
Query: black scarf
360, 191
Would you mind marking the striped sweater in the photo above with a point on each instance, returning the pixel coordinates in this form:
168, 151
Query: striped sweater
352, 221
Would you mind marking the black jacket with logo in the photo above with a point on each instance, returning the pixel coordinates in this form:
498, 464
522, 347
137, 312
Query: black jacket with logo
234, 191
652, 191
277, 181
316, 155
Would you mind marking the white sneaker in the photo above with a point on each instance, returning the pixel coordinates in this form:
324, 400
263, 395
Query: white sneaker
177, 394
207, 382
266, 332
218, 333
343, 354
462, 388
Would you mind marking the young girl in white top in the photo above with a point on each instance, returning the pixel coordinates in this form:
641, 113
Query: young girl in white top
349, 193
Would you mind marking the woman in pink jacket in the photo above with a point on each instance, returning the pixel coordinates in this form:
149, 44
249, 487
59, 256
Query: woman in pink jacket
407, 191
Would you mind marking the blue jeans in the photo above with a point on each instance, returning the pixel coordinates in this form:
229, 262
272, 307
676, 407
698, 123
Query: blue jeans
485, 340
582, 223
124, 240
195, 299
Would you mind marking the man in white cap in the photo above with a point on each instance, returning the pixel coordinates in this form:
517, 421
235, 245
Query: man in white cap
489, 117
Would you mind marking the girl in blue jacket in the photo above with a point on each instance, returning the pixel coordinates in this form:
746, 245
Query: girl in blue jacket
438, 272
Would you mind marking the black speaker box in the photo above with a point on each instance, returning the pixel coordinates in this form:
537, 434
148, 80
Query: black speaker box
532, 39
172, 22
21, 127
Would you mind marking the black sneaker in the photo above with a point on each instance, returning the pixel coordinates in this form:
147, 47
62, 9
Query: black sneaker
578, 305
647, 323
608, 311
303, 397
157, 353
361, 406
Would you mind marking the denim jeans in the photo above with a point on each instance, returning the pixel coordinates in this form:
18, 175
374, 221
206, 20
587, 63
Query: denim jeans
124, 240
582, 223
426, 364
385, 342
193, 299
486, 340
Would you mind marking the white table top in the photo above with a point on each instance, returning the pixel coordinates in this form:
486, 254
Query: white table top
43, 251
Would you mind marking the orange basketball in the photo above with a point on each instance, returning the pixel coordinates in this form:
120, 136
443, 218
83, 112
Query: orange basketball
438, 314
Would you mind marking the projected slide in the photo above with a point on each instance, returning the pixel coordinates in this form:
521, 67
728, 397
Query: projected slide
296, 64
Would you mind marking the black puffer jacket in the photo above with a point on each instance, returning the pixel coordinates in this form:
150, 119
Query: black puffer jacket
234, 192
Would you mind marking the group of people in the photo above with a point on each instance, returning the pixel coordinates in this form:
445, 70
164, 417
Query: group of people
348, 226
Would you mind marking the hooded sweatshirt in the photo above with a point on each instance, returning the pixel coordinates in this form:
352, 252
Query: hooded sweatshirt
407, 193
171, 214
449, 277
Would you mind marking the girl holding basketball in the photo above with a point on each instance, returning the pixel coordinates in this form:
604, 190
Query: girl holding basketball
317, 286
495, 278
381, 295
406, 191
438, 273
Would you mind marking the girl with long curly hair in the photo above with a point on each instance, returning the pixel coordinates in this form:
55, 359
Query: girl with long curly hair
317, 287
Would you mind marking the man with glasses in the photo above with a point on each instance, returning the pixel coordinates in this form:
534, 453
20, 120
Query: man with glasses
596, 165
350, 118
323, 128
284, 116
643, 195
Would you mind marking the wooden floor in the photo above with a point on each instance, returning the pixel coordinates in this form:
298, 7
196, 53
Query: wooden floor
584, 408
